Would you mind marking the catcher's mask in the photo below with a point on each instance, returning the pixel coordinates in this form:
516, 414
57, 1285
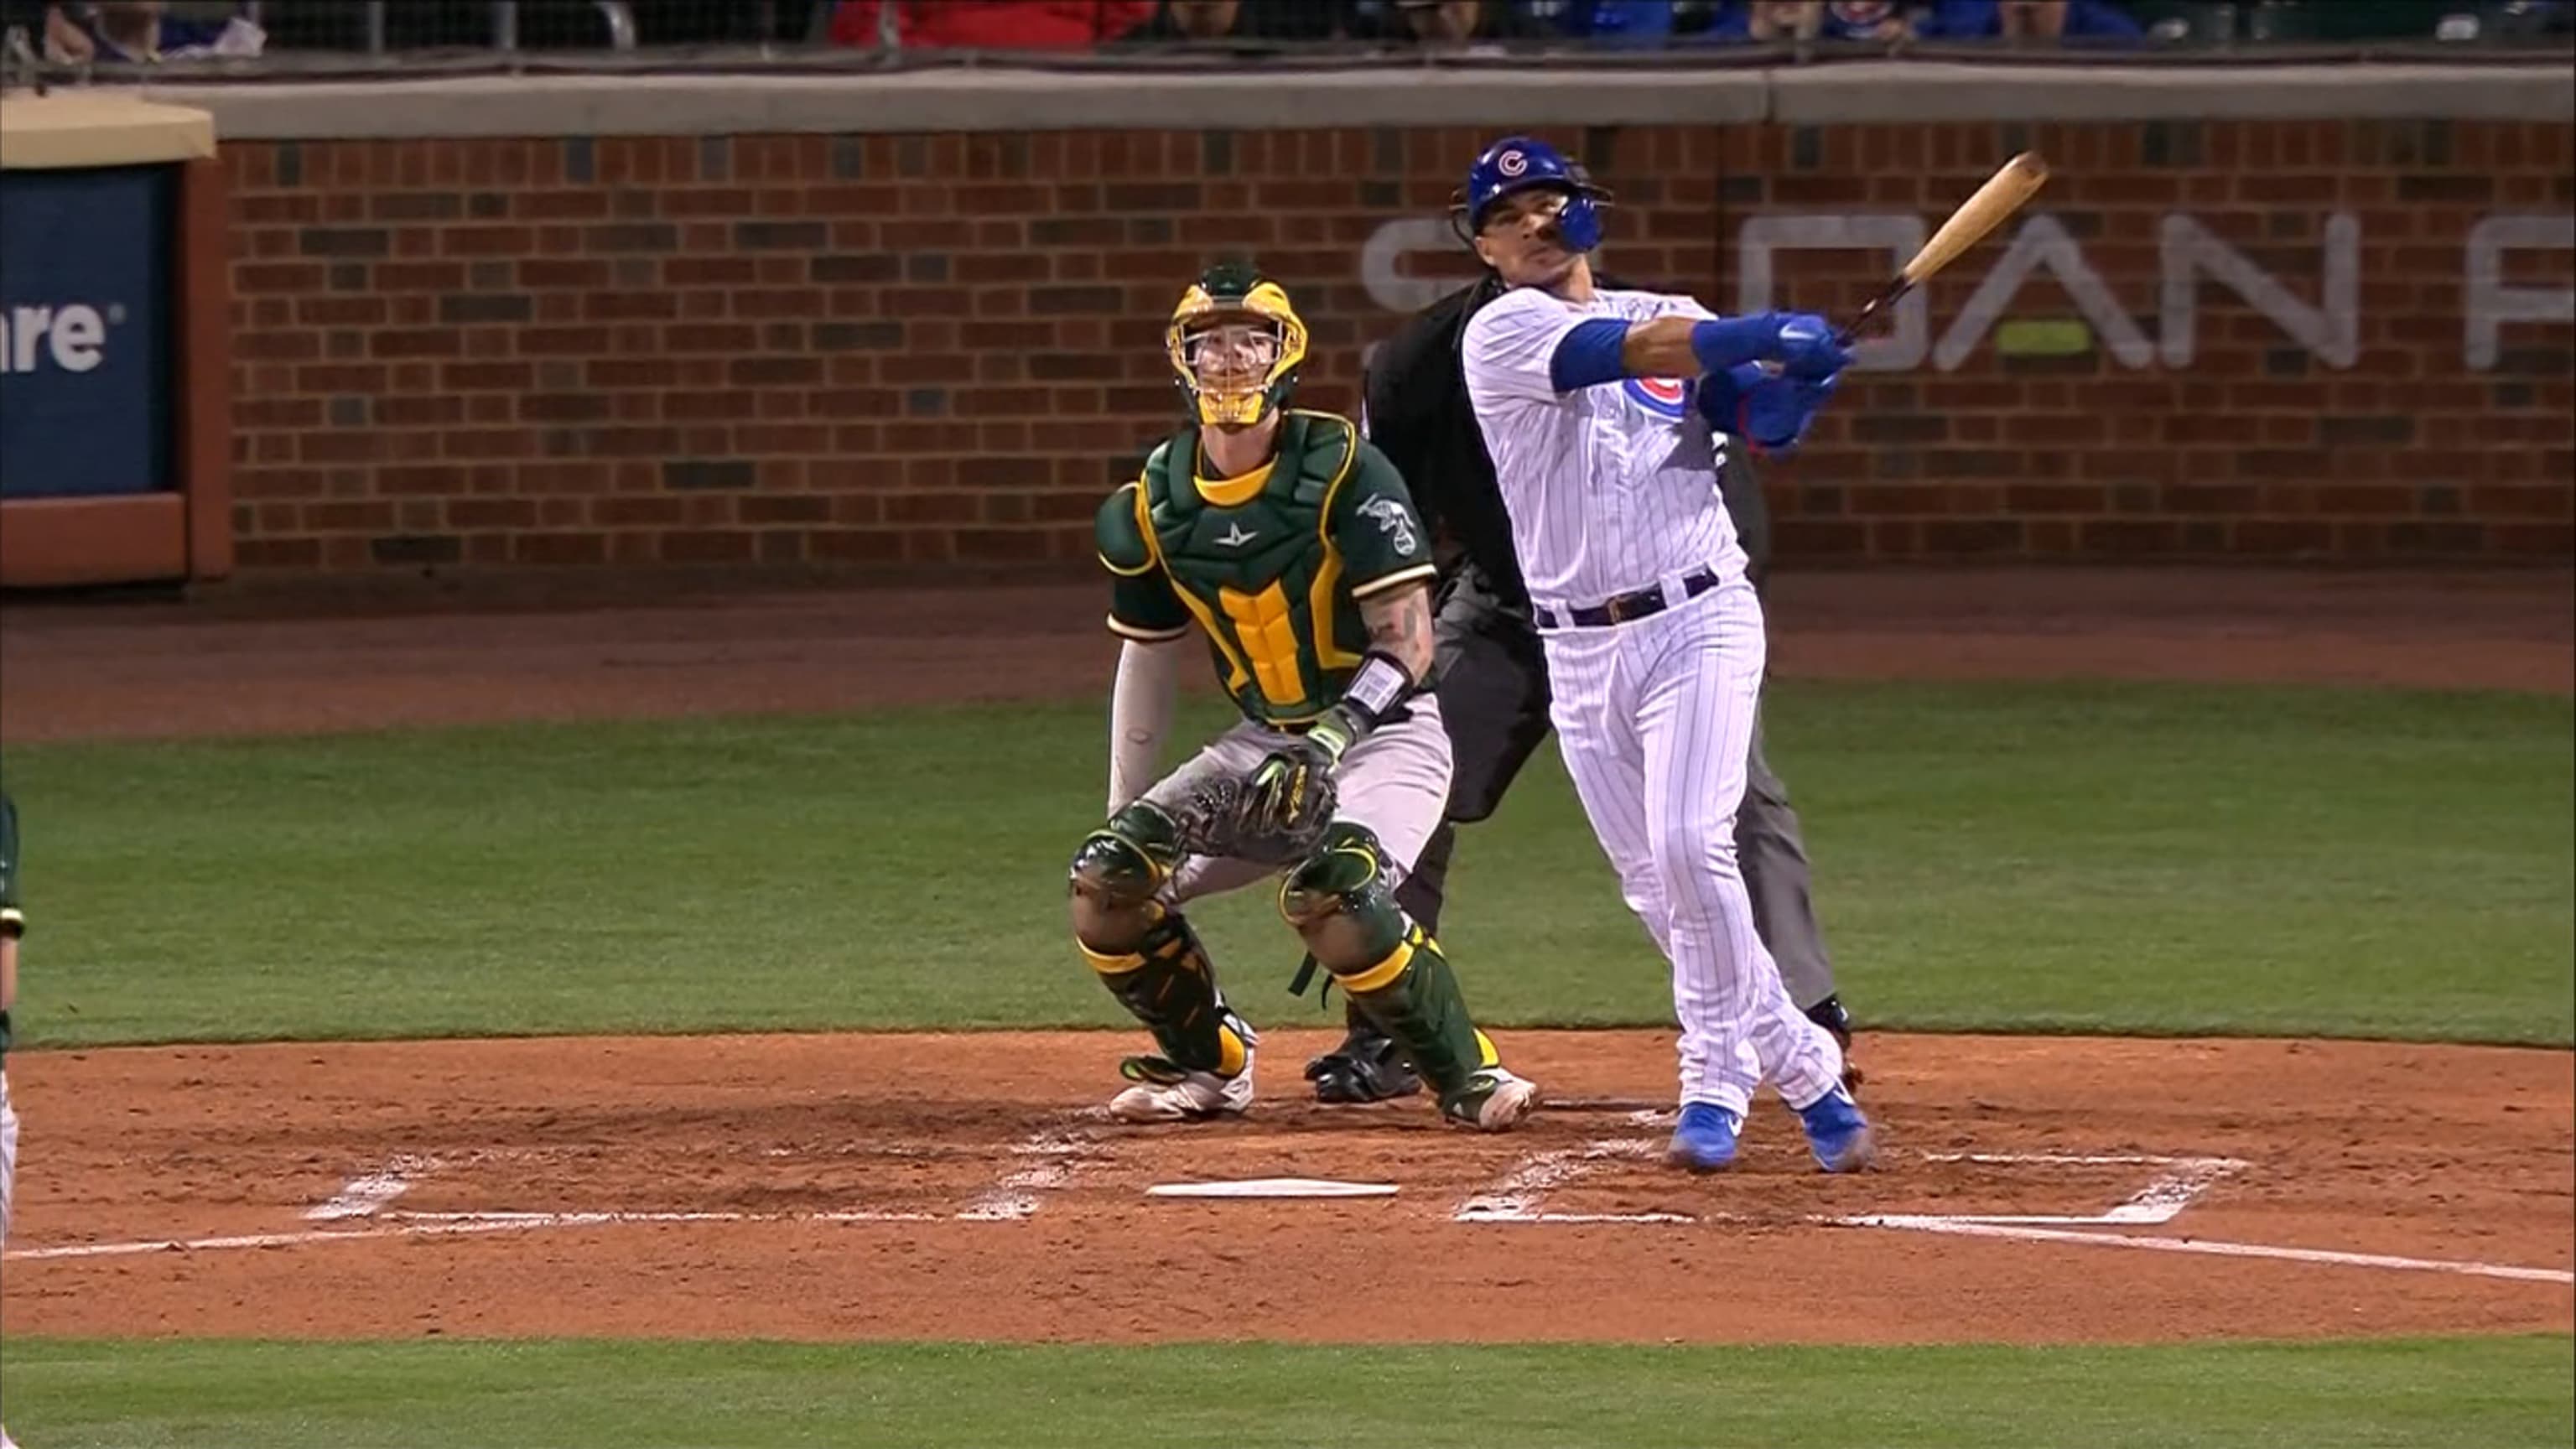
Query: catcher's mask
1525, 163
1236, 343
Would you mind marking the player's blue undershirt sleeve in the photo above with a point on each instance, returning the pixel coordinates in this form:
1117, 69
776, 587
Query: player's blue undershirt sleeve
1588, 355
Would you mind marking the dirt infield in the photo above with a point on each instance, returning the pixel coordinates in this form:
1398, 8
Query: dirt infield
912, 1186
898, 1186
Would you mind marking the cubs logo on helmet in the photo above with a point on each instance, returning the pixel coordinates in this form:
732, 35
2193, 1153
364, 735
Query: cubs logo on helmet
1666, 397
1518, 163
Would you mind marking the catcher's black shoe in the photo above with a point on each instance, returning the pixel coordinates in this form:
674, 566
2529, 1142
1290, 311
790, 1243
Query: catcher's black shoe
1366, 1067
1830, 1015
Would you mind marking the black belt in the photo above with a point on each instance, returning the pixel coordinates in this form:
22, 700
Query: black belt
1644, 603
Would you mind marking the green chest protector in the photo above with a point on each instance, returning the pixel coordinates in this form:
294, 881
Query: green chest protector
1255, 560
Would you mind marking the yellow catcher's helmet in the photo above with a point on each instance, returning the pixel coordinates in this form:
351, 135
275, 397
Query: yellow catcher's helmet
1235, 342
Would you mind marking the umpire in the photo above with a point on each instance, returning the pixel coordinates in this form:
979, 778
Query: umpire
1492, 673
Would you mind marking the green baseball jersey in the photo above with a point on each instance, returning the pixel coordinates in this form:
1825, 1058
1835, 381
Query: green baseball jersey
1271, 565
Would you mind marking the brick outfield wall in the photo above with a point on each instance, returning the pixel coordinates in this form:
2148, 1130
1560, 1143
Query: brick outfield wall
826, 350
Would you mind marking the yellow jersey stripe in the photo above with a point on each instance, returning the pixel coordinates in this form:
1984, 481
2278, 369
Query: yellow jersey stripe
1400, 577
1329, 652
1125, 630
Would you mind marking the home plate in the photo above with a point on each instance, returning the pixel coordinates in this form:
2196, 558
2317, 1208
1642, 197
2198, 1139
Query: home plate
1272, 1187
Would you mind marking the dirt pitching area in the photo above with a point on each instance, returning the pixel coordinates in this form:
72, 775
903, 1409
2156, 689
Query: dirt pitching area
968, 1186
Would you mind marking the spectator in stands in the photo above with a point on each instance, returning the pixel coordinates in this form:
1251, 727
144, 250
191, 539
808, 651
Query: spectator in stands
1878, 20
477, 25
1205, 22
1765, 21
2351, 21
991, 24
138, 30
1617, 22
1781, 20
2045, 22
2535, 17
1769, 20
1471, 23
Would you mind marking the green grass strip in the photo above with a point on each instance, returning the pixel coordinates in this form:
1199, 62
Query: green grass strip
2482, 1393
2100, 858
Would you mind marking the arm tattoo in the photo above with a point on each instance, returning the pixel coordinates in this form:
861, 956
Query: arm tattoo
1400, 623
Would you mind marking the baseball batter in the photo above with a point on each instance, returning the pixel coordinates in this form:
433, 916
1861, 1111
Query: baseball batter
1292, 545
1597, 406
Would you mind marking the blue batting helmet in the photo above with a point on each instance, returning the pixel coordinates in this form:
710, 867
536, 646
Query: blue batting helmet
1519, 163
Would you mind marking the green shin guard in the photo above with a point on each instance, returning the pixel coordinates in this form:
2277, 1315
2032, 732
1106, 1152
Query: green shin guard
1169, 985
1421, 1007
1164, 977
1390, 968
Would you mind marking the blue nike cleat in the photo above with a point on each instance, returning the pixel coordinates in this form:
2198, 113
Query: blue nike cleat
1840, 1135
1704, 1140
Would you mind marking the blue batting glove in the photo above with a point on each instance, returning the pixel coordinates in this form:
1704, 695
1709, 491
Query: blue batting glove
1806, 349
1720, 395
1778, 409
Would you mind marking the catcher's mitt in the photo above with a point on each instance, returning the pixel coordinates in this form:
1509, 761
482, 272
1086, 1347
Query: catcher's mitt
1275, 816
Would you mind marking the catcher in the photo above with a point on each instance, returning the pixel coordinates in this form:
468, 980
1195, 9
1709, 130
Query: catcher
1293, 546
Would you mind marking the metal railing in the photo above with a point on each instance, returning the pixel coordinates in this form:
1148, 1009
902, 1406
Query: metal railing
615, 40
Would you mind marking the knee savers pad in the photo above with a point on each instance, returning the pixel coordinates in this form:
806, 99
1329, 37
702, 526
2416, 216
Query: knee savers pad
1338, 900
1131, 856
1116, 873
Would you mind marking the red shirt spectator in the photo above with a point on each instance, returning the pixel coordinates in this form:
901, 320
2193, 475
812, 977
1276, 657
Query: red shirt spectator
992, 24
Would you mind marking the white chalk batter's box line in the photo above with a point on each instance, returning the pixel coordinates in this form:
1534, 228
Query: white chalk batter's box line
1517, 1197
1516, 1200
1059, 1148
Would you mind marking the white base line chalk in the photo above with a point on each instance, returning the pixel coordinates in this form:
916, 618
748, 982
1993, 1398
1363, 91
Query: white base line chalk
421, 1225
1548, 1217
1056, 1147
1959, 1228
1516, 1197
2160, 1201
362, 1196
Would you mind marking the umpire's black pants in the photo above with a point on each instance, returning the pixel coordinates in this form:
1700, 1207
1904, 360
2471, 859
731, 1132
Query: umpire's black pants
1492, 685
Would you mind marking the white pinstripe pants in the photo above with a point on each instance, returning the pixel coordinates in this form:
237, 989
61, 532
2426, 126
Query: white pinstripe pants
1655, 720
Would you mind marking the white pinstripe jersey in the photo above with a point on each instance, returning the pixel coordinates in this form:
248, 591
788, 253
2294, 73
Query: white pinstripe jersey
1610, 488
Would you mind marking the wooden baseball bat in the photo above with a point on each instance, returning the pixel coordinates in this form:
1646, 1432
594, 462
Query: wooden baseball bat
2001, 196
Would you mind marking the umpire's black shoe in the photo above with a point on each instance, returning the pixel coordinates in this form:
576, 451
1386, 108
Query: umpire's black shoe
1366, 1067
1830, 1015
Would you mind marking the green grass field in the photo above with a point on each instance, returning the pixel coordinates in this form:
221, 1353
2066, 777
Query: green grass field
2098, 858
2506, 1393
2126, 859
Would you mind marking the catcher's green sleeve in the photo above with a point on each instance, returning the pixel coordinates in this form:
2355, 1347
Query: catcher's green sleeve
1376, 528
1142, 603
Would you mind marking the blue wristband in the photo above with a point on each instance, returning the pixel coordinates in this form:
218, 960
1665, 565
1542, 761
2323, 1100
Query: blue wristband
1729, 342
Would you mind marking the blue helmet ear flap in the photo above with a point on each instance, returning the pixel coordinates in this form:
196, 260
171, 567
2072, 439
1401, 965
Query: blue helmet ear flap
1580, 222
